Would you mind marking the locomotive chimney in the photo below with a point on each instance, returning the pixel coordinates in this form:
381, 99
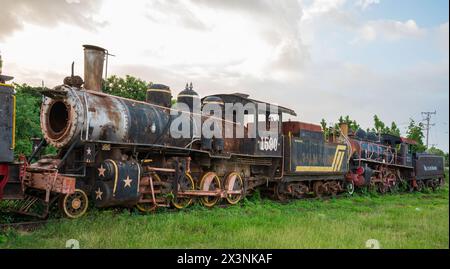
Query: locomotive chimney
344, 128
93, 67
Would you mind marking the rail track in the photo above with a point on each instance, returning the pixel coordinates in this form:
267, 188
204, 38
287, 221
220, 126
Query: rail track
25, 225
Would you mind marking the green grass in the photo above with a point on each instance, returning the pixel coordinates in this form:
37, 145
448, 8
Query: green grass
412, 220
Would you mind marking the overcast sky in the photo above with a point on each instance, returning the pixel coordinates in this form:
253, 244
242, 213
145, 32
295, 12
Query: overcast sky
323, 58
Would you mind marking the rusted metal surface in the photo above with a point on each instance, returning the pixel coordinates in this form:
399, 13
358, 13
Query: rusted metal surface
408, 141
294, 127
92, 117
62, 117
159, 94
51, 182
94, 58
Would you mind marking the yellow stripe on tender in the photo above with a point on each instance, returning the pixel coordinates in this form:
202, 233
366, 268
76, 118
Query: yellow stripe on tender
335, 166
338, 168
339, 161
290, 149
314, 169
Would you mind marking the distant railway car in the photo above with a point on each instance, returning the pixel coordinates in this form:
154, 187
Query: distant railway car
429, 170
386, 161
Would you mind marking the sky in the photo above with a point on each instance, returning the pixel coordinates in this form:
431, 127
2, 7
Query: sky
322, 58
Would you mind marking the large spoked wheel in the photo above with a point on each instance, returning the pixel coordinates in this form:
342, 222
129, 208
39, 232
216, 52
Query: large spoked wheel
234, 182
210, 182
186, 183
319, 189
349, 187
392, 181
382, 187
280, 192
74, 205
420, 185
148, 207
430, 184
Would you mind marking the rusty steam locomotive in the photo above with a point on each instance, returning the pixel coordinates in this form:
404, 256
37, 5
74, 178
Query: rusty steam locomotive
114, 151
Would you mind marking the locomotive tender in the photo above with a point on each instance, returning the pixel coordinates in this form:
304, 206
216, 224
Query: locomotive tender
114, 151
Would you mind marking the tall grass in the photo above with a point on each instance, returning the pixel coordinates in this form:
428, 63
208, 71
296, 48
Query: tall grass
412, 220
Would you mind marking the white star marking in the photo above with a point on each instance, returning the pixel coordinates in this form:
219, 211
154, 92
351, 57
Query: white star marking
127, 182
98, 194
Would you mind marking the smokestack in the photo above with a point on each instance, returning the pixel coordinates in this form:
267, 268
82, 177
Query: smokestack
93, 67
344, 128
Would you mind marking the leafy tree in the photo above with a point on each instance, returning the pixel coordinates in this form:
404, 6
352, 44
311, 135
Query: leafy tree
325, 129
439, 152
394, 130
415, 132
436, 151
28, 104
352, 124
128, 87
379, 126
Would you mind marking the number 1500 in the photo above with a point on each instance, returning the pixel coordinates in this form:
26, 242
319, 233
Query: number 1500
268, 143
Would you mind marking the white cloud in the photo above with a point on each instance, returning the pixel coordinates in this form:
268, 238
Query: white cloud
364, 4
389, 30
321, 7
443, 37
47, 12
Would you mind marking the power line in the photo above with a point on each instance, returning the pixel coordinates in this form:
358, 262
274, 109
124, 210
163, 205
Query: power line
428, 124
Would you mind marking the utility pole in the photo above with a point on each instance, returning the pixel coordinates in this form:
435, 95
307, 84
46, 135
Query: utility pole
428, 125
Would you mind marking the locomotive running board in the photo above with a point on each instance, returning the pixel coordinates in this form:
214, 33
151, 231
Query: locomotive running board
391, 164
221, 193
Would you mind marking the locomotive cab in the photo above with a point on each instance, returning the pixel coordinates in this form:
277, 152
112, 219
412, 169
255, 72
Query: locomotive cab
257, 125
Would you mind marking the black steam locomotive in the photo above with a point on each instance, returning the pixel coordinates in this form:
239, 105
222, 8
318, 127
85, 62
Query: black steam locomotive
114, 151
